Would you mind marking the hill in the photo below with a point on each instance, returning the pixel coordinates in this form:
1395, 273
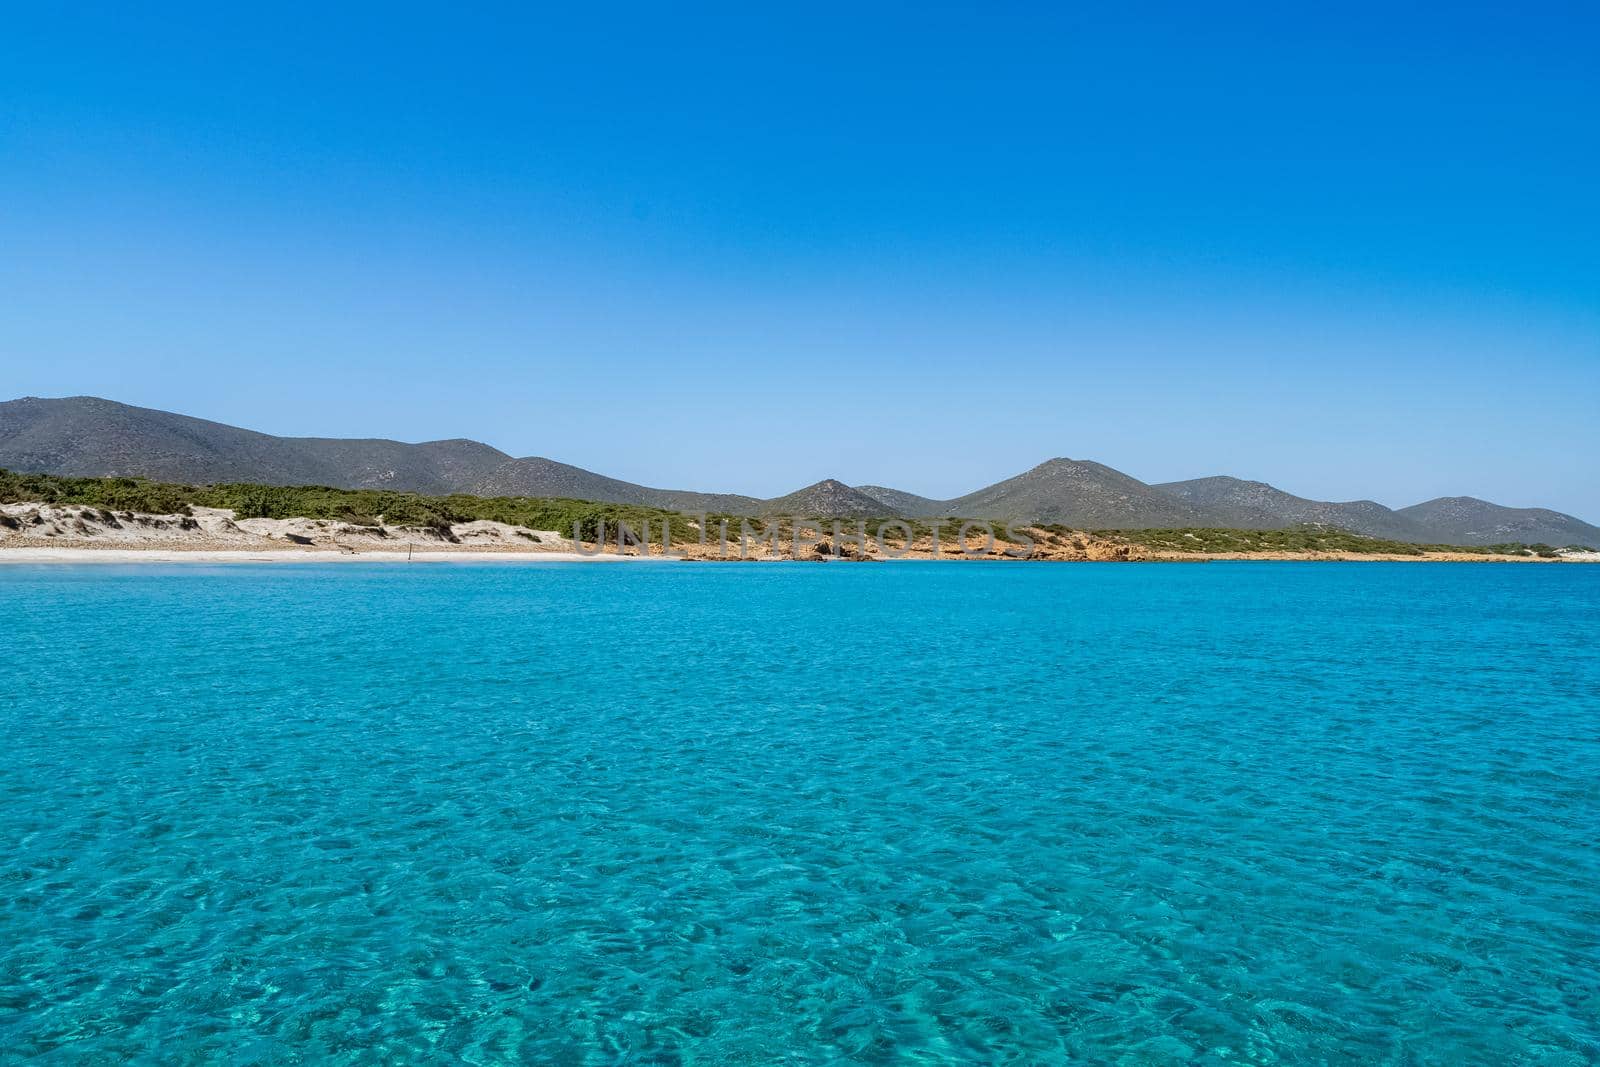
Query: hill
1084, 495
93, 438
89, 437
907, 505
96, 438
827, 498
1249, 505
540, 477
1466, 520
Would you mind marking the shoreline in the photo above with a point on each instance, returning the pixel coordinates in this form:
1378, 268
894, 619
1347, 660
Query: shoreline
17, 556
38, 533
80, 554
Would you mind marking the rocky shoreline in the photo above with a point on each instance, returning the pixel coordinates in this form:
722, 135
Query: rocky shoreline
36, 532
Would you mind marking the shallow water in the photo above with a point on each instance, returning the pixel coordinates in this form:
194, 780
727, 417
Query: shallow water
1265, 813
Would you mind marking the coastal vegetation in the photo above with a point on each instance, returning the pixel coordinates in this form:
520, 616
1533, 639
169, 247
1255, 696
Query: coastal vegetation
1306, 538
891, 530
91, 437
372, 507
362, 507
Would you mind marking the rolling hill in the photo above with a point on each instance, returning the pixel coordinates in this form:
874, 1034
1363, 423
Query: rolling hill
1467, 520
537, 476
90, 436
87, 436
1084, 494
906, 505
1257, 505
828, 498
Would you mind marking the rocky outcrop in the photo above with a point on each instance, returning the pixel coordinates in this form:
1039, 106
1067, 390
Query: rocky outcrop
219, 528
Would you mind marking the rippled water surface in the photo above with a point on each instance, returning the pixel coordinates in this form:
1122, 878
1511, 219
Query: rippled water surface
1265, 813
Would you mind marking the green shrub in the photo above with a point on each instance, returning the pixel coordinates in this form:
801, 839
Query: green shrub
365, 507
369, 507
1308, 538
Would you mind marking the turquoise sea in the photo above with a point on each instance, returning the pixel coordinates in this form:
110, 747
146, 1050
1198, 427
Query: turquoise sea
724, 814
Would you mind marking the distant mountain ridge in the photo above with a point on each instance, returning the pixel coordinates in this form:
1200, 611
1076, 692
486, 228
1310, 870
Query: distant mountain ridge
904, 504
828, 497
93, 437
1251, 505
1083, 494
1469, 521
537, 476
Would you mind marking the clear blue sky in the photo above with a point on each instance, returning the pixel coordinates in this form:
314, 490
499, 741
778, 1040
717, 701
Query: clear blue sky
1351, 251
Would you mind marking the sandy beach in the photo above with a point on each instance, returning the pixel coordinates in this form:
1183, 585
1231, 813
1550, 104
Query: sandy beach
50, 533
84, 554
290, 555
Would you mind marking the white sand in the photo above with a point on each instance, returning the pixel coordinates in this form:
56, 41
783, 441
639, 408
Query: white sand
288, 555
214, 535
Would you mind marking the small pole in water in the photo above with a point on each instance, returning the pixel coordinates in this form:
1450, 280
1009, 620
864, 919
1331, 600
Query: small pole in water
408, 551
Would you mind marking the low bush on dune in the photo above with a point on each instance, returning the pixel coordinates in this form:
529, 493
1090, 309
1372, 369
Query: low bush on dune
115, 494
1302, 539
362, 507
372, 507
